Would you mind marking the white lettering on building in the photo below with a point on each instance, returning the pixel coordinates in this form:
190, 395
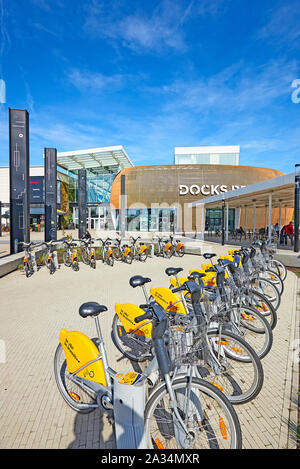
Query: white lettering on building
206, 189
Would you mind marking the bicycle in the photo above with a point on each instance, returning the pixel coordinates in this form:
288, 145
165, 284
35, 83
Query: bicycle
50, 257
256, 294
139, 252
181, 411
117, 252
29, 260
178, 247
224, 350
106, 251
224, 305
164, 248
70, 255
88, 253
268, 249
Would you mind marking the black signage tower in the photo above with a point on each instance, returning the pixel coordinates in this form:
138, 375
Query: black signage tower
50, 164
19, 178
81, 203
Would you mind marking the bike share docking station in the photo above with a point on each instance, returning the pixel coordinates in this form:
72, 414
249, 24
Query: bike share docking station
129, 408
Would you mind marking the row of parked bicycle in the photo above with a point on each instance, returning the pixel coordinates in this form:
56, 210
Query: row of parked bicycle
204, 336
88, 250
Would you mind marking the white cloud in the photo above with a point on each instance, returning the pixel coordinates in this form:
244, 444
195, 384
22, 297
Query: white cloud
91, 81
283, 23
160, 29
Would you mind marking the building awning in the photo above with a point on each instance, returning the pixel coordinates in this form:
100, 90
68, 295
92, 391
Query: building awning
94, 158
280, 188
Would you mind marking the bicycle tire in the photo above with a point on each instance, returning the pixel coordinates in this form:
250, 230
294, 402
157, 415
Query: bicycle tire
256, 331
277, 281
264, 306
67, 259
75, 266
52, 267
27, 270
143, 256
210, 409
273, 297
129, 258
245, 378
130, 346
279, 268
85, 256
180, 252
61, 378
168, 253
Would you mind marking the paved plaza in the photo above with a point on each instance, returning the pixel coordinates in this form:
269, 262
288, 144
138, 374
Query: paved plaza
32, 412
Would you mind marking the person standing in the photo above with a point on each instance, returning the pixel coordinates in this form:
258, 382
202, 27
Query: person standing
289, 231
276, 230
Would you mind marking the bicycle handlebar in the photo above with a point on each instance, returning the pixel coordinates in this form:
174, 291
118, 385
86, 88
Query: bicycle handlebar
148, 314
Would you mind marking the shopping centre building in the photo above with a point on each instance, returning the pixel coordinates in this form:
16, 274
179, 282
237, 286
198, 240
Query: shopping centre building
156, 197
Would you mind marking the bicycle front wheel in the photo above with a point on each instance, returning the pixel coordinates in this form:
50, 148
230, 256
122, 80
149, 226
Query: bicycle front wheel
255, 329
134, 346
210, 420
233, 366
268, 289
279, 268
67, 259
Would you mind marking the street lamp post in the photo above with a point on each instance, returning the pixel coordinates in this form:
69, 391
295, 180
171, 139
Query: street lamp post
296, 208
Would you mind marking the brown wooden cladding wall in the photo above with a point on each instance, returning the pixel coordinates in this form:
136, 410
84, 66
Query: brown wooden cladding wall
150, 185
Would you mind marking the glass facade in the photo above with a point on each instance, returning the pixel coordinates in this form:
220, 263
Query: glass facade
159, 219
208, 158
98, 184
213, 219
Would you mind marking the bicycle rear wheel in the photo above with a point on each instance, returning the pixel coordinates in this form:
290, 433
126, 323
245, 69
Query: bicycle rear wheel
78, 399
210, 419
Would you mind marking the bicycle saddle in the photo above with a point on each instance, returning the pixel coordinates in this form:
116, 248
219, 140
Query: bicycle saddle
196, 275
173, 270
208, 255
91, 308
138, 280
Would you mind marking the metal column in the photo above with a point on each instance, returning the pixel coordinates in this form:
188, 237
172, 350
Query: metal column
254, 214
122, 216
296, 208
81, 203
270, 218
223, 222
227, 221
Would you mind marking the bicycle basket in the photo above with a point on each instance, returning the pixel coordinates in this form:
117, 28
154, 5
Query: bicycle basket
187, 344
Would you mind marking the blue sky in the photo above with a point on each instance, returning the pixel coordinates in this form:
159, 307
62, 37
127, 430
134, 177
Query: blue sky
152, 75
